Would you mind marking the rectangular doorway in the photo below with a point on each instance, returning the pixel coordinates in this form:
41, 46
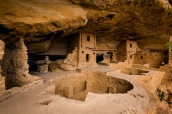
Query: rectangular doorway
87, 57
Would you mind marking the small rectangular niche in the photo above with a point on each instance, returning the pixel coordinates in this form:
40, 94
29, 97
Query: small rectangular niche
88, 38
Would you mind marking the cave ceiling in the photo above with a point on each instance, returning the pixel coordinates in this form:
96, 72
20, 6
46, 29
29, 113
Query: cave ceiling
149, 22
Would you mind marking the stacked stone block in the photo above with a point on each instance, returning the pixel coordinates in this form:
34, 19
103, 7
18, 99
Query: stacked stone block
2, 79
68, 91
70, 62
15, 66
43, 65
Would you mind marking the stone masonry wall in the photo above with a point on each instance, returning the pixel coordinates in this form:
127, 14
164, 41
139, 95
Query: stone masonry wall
2, 79
86, 55
14, 65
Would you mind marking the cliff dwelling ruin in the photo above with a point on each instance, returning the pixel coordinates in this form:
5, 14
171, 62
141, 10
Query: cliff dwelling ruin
86, 57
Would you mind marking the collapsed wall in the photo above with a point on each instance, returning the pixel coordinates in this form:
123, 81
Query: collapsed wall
15, 67
70, 62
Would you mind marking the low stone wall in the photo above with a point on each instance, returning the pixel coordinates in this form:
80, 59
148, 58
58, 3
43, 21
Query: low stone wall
133, 71
151, 80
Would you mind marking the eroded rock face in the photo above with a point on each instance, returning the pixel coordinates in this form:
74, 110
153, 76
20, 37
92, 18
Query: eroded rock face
14, 65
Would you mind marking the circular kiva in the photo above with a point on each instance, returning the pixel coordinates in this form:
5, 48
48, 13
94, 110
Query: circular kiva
76, 86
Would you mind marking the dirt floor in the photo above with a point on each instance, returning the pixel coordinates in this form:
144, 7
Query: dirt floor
39, 101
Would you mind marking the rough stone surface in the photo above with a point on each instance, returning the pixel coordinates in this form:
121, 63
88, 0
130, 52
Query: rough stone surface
2, 78
2, 83
70, 62
43, 65
15, 67
43, 69
56, 65
51, 89
166, 81
2, 46
132, 71
40, 21
151, 81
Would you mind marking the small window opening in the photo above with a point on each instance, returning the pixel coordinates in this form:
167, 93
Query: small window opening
88, 38
141, 57
130, 45
87, 57
130, 56
82, 51
111, 55
93, 53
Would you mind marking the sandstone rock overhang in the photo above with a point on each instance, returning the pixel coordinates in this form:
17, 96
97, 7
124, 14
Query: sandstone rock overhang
148, 22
